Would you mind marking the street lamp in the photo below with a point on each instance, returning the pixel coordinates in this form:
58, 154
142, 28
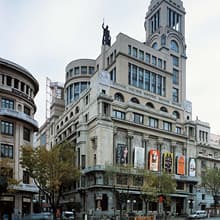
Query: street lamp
131, 202
191, 202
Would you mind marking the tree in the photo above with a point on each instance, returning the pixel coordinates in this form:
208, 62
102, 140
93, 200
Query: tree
211, 181
51, 170
158, 187
6, 176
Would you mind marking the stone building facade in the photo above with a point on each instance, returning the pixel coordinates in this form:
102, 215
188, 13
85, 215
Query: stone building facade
128, 108
17, 108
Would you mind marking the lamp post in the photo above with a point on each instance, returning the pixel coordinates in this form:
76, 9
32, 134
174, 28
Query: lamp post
191, 202
131, 202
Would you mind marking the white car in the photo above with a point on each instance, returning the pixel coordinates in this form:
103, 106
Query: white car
68, 215
198, 214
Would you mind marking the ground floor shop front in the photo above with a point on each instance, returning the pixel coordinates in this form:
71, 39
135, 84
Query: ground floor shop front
15, 206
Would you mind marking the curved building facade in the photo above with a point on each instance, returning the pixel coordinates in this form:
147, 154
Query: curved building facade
78, 73
17, 108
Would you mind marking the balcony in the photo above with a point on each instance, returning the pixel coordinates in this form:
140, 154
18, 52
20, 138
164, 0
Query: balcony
26, 187
186, 178
20, 116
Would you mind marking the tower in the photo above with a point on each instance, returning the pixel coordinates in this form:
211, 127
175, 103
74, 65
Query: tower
165, 31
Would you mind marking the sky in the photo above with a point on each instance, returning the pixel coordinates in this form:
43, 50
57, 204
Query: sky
43, 36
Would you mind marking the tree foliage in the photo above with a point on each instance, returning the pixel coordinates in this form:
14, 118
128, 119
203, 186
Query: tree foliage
7, 180
51, 170
211, 181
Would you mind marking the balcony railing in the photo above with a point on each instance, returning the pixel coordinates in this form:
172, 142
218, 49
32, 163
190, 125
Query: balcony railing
19, 115
26, 187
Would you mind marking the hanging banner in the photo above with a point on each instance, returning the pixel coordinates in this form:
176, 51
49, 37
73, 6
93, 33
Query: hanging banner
122, 154
192, 167
139, 157
154, 159
168, 162
180, 165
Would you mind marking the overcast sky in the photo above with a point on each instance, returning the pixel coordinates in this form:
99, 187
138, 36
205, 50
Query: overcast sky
45, 35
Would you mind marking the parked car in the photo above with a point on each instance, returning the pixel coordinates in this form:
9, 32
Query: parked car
68, 215
39, 216
198, 214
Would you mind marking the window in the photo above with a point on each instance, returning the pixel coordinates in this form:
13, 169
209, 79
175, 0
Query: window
134, 52
8, 80
16, 82
119, 114
163, 109
153, 82
7, 128
26, 134
135, 100
141, 54
27, 110
174, 20
77, 110
91, 70
26, 178
76, 90
146, 80
71, 72
179, 185
155, 22
119, 97
176, 114
175, 61
138, 118
76, 70
84, 86
175, 95
147, 58
155, 46
122, 179
7, 103
22, 86
160, 63
150, 105
83, 159
178, 130
113, 74
129, 49
175, 77
106, 109
6, 151
174, 46
27, 89
84, 69
153, 122
167, 126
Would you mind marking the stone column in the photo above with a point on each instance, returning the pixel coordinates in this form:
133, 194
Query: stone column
159, 148
129, 142
172, 150
145, 145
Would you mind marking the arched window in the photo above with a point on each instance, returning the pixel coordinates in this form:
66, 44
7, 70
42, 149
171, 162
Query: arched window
119, 97
66, 119
77, 110
71, 114
174, 46
163, 109
150, 105
155, 46
176, 114
135, 100
61, 124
